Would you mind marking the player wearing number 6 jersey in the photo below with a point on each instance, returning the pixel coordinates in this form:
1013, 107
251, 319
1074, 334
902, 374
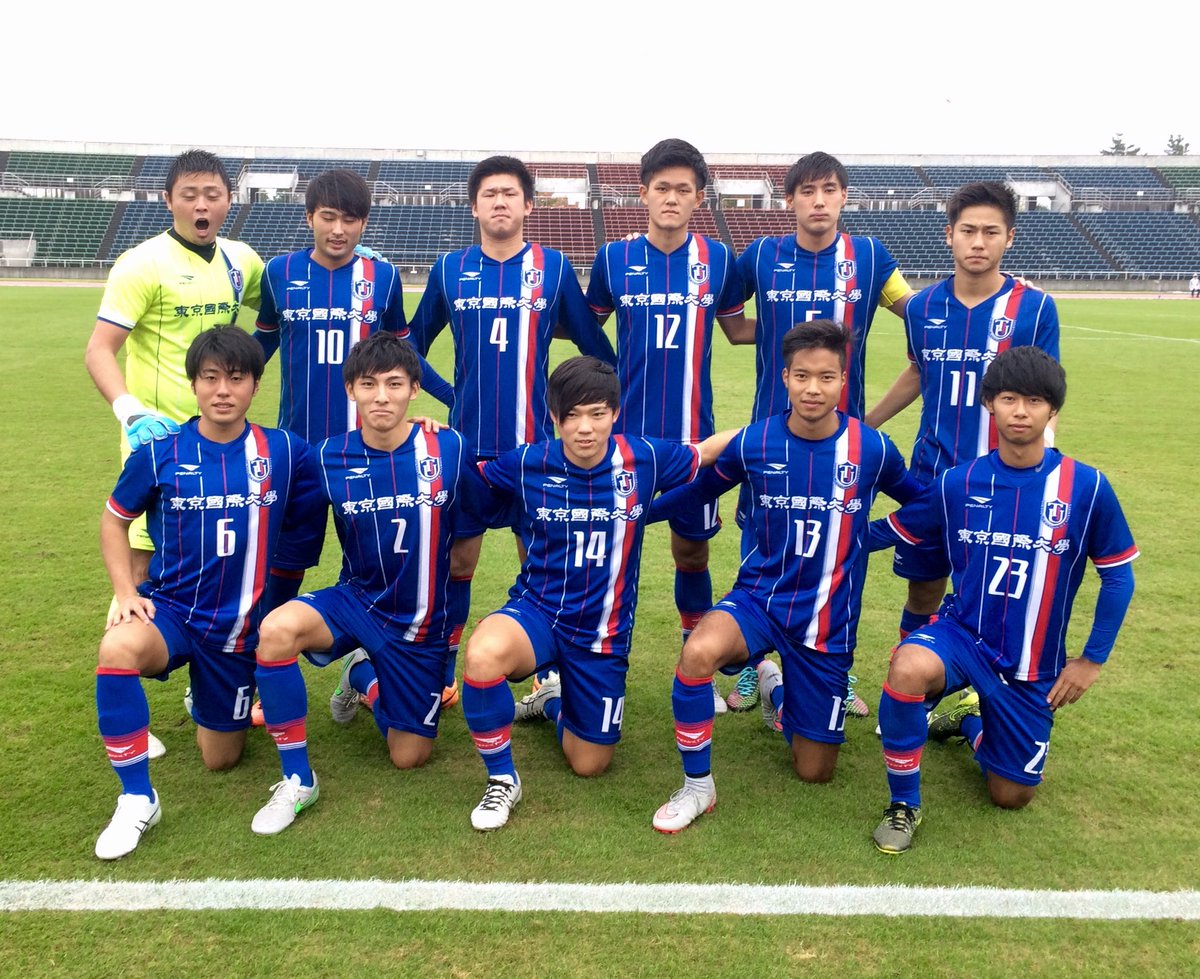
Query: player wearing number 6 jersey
217, 495
1018, 527
955, 329
398, 493
580, 503
810, 476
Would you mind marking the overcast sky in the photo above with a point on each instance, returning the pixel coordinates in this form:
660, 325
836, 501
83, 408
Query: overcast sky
781, 77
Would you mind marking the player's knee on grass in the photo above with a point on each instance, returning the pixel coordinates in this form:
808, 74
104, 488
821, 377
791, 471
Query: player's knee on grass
220, 750
916, 670
408, 750
813, 761
689, 555
1007, 794
586, 759
925, 597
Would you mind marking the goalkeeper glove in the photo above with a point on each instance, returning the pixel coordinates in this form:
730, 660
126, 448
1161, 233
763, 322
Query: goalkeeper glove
366, 251
139, 423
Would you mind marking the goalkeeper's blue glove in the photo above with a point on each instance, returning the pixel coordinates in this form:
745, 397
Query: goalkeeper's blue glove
139, 423
366, 251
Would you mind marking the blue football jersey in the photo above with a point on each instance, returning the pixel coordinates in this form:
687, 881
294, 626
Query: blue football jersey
791, 285
1018, 541
582, 529
503, 316
952, 347
214, 512
666, 310
395, 515
320, 314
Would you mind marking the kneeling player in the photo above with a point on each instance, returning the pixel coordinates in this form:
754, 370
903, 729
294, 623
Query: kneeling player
396, 492
216, 496
1016, 526
811, 474
581, 502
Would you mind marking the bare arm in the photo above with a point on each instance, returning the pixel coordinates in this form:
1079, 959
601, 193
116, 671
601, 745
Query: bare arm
714, 445
905, 389
118, 561
898, 305
101, 359
738, 329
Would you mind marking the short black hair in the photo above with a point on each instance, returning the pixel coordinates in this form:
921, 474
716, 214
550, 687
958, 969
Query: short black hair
673, 153
582, 381
817, 335
984, 193
343, 190
197, 161
496, 165
378, 354
229, 346
1028, 371
814, 167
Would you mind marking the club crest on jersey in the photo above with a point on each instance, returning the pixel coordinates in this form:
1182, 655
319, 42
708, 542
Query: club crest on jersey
1055, 513
698, 272
533, 278
846, 269
235, 276
846, 474
259, 469
429, 468
364, 289
624, 483
1001, 328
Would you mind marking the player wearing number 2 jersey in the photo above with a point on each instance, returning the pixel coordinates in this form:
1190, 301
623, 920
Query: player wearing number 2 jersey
217, 495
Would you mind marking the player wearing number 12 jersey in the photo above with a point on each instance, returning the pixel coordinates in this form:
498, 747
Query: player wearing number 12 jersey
955, 329
811, 475
1018, 527
669, 288
217, 495
581, 503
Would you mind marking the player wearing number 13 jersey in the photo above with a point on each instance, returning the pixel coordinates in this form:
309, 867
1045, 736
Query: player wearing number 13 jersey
217, 495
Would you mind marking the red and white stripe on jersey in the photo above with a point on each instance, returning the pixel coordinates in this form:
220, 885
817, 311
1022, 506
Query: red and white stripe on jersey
362, 301
256, 553
427, 455
624, 536
1044, 575
839, 535
843, 308
696, 341
1004, 307
533, 269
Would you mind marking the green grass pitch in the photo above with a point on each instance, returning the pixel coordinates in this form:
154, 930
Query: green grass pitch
1118, 809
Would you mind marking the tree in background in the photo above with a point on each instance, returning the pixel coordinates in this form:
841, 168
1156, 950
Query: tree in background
1121, 148
1177, 145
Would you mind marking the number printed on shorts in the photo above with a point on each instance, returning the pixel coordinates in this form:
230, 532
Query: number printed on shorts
241, 704
1038, 761
613, 712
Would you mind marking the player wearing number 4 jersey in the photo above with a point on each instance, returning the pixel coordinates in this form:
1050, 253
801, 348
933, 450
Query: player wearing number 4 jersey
581, 504
955, 329
398, 493
1017, 527
811, 474
217, 495
669, 289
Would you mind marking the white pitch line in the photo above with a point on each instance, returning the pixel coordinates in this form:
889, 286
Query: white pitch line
1122, 333
731, 899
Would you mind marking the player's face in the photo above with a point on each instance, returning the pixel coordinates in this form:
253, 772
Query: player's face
814, 380
584, 431
671, 197
223, 396
817, 205
1021, 419
335, 234
198, 204
500, 207
383, 399
979, 239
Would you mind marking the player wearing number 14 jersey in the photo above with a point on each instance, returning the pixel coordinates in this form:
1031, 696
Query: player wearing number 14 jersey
216, 495
1018, 527
955, 329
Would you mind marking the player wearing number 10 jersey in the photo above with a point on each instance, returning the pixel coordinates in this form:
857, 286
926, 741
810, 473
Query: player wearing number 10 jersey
1018, 527
217, 495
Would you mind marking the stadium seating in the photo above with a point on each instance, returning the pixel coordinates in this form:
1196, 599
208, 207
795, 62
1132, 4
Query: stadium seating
621, 221
305, 169
569, 229
1147, 241
951, 178
746, 224
276, 229
66, 230
439, 177
88, 169
413, 237
876, 181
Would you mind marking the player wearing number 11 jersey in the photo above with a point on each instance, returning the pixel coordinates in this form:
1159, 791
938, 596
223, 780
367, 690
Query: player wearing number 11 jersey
217, 495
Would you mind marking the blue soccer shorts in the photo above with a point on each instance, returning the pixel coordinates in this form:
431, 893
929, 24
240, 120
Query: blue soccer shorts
1016, 718
920, 562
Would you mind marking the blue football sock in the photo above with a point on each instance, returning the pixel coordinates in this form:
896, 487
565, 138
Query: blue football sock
488, 709
285, 710
123, 714
692, 704
903, 729
912, 621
